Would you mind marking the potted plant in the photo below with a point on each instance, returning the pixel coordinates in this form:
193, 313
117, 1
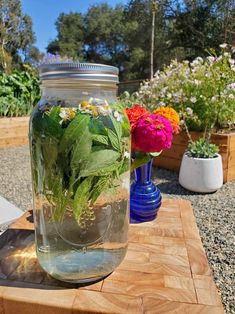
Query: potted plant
201, 168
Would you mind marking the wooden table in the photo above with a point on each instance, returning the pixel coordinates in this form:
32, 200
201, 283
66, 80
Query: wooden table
165, 271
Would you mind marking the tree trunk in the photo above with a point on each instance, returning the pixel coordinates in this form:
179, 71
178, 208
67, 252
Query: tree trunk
152, 40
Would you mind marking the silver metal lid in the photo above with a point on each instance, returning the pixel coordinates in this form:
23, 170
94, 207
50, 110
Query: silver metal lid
79, 71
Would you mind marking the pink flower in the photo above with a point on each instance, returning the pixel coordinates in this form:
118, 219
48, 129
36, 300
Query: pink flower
152, 134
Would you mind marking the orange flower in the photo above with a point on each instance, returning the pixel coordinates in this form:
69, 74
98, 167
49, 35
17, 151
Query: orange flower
170, 114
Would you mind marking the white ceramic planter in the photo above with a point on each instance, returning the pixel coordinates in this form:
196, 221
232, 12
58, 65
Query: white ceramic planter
202, 175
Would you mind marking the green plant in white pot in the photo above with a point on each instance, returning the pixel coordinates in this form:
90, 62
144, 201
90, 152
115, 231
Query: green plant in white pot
201, 167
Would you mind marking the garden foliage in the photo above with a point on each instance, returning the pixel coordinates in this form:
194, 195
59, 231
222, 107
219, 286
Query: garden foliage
203, 92
19, 92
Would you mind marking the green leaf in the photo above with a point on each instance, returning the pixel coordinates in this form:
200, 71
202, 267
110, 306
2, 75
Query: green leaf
54, 114
140, 161
107, 170
97, 161
43, 125
57, 197
96, 126
155, 154
49, 152
117, 127
73, 132
125, 126
100, 186
114, 140
82, 148
81, 198
102, 139
124, 166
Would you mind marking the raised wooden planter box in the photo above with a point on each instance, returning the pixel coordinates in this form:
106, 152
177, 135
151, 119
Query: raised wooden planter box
171, 159
14, 131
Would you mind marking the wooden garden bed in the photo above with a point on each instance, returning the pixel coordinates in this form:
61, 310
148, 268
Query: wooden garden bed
171, 159
14, 131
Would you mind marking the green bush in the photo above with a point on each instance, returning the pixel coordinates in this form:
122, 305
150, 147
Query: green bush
19, 92
203, 91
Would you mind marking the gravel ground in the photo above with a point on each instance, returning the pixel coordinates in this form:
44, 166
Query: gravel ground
215, 213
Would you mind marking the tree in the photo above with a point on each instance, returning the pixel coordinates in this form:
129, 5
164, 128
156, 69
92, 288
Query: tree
154, 9
33, 55
137, 39
125, 37
104, 40
198, 26
97, 36
70, 38
15, 32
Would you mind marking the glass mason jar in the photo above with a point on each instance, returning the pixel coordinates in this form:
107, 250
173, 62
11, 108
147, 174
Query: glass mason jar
80, 157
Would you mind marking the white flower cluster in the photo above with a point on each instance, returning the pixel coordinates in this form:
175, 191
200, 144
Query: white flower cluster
199, 89
94, 106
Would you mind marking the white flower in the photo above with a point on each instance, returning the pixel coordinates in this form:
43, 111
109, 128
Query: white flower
213, 99
231, 96
169, 95
63, 114
193, 99
231, 61
211, 59
231, 86
226, 54
223, 45
197, 82
104, 110
199, 59
161, 104
233, 68
189, 111
117, 116
181, 122
67, 114
127, 155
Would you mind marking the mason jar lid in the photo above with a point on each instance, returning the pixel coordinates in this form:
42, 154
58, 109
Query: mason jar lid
79, 71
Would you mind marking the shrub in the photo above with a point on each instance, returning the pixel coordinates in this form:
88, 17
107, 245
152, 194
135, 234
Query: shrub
203, 91
19, 92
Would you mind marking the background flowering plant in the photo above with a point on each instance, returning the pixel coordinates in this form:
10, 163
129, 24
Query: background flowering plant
203, 92
151, 132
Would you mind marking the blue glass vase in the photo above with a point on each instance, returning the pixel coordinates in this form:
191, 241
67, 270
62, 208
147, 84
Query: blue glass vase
145, 197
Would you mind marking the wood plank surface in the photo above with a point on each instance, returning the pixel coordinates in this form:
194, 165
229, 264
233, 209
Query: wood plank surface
14, 131
165, 271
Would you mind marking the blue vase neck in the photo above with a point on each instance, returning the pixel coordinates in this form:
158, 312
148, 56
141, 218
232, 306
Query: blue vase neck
143, 173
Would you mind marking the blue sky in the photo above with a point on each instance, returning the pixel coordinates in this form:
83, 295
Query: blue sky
45, 12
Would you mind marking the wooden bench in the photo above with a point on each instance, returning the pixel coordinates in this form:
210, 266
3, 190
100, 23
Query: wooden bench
165, 271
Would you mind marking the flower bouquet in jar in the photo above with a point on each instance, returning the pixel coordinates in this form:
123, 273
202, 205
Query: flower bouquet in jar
152, 132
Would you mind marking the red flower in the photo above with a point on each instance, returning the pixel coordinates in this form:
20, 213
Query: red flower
134, 114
